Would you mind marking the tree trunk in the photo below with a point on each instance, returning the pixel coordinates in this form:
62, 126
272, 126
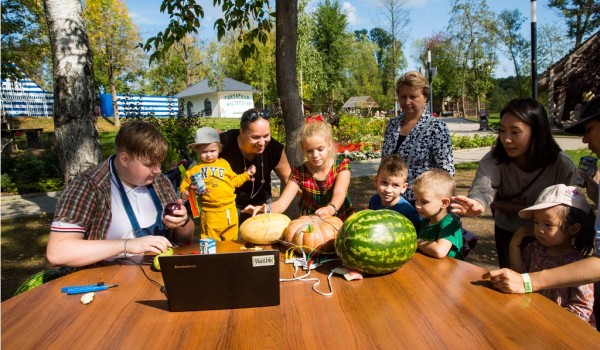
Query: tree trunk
113, 92
287, 83
74, 120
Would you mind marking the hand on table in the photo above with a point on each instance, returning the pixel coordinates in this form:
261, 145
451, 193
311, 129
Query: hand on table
146, 244
505, 280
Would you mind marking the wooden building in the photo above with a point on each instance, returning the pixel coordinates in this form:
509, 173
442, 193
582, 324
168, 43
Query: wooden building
569, 80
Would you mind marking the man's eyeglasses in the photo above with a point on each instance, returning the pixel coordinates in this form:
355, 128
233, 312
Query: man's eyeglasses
252, 115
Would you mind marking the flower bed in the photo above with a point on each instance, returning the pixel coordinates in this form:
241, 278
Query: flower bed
358, 151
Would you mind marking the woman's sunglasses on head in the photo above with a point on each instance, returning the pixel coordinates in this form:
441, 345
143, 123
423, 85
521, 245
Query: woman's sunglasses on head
254, 114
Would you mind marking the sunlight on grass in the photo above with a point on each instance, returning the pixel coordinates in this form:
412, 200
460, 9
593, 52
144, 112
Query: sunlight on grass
577, 154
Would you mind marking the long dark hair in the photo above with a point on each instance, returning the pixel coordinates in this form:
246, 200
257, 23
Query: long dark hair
584, 239
543, 149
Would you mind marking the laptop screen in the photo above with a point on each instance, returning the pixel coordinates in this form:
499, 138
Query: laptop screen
221, 281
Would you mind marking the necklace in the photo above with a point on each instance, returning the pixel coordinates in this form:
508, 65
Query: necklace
262, 174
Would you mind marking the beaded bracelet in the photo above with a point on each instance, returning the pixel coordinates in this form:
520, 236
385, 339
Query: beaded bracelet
334, 208
125, 246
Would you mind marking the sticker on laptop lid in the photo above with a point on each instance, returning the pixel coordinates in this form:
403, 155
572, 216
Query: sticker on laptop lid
263, 260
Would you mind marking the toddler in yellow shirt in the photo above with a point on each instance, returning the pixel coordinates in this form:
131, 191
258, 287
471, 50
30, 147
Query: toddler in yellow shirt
218, 217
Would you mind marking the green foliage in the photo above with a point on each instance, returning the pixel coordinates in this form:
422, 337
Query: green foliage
113, 40
473, 26
353, 129
467, 166
25, 45
332, 42
179, 132
310, 68
446, 57
577, 154
365, 78
460, 142
167, 77
581, 17
184, 19
7, 184
518, 47
31, 173
107, 143
252, 18
278, 128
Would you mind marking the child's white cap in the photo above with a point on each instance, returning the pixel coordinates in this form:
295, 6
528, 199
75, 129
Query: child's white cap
205, 136
556, 195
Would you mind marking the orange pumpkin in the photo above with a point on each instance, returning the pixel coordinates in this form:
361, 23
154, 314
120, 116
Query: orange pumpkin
312, 232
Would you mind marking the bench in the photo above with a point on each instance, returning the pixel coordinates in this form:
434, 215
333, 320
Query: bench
33, 136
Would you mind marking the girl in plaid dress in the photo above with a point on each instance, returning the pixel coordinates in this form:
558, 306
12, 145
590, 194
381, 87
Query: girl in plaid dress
322, 179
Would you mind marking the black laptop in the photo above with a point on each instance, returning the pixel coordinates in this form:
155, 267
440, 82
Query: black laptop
221, 281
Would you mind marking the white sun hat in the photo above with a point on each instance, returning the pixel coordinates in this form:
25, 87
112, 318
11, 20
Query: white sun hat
205, 135
557, 195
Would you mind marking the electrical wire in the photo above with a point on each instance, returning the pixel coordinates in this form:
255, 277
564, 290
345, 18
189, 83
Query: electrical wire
160, 287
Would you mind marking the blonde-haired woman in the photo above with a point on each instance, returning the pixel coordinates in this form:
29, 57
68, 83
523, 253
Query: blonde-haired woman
417, 137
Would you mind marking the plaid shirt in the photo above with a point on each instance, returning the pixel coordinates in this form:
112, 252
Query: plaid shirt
87, 198
317, 194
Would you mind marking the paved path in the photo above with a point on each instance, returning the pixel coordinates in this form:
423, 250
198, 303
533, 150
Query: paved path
36, 204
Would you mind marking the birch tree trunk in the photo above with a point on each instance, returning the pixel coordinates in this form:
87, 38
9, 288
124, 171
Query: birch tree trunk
74, 120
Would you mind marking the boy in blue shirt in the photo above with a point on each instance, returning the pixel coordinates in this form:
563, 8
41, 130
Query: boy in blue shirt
390, 183
440, 234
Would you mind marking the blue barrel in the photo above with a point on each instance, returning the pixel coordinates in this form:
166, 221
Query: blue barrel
106, 106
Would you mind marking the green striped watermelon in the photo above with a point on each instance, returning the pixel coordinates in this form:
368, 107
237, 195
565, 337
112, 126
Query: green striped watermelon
376, 241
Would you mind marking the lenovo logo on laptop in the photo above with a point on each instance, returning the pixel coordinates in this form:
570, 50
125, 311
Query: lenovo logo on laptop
185, 266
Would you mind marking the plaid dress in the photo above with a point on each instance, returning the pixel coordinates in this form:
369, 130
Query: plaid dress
317, 193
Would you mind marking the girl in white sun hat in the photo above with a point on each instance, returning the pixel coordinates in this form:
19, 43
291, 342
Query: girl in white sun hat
564, 233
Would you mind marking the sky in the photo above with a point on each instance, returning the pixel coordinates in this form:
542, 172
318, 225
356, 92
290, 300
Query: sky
427, 17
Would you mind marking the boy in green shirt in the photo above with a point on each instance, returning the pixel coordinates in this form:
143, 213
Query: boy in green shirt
440, 234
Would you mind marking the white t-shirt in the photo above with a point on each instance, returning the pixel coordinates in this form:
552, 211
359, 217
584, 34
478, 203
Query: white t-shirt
120, 226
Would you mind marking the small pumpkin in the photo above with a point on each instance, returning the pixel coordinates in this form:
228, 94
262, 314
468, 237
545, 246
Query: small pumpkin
312, 232
264, 228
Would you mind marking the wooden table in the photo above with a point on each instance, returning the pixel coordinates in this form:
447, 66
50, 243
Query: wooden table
33, 136
428, 303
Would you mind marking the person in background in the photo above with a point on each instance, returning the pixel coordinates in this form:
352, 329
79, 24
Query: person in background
440, 233
580, 272
249, 145
390, 184
524, 160
564, 233
421, 140
484, 120
322, 179
218, 215
115, 209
